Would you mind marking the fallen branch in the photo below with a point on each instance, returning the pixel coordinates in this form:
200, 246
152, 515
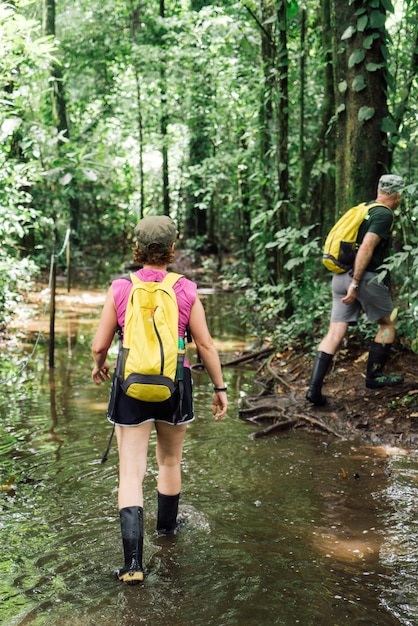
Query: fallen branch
245, 358
278, 426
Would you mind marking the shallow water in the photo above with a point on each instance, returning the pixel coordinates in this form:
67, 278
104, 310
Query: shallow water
295, 529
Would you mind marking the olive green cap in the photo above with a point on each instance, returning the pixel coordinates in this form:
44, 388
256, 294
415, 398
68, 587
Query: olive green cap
157, 230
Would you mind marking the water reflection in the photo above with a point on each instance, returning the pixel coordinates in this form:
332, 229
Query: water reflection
399, 551
294, 529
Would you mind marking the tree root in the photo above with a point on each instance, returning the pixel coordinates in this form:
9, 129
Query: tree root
314, 421
275, 375
281, 412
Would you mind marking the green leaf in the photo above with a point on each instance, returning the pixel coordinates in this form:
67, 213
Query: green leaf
377, 19
388, 6
342, 86
368, 41
292, 9
365, 113
385, 51
356, 57
270, 20
66, 179
349, 32
362, 23
341, 108
372, 67
359, 82
388, 125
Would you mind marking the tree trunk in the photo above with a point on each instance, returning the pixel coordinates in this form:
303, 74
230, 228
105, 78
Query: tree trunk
200, 145
403, 106
323, 193
59, 109
362, 150
59, 114
282, 133
164, 121
134, 27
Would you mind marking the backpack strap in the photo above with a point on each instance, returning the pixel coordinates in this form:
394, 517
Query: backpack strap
171, 278
371, 205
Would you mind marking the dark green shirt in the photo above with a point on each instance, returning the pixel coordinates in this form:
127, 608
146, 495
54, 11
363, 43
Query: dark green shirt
380, 222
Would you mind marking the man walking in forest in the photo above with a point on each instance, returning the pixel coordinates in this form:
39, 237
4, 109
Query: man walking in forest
359, 289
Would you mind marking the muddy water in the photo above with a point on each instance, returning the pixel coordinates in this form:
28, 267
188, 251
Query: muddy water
294, 529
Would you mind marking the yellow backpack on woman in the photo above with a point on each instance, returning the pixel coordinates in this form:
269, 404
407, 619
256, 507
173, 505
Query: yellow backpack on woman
152, 352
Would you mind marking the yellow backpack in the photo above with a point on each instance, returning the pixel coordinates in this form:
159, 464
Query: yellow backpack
152, 352
340, 245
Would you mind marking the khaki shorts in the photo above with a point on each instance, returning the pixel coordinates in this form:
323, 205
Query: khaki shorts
373, 298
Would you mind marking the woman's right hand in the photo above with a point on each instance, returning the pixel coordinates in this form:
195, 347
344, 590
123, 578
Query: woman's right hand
100, 374
219, 405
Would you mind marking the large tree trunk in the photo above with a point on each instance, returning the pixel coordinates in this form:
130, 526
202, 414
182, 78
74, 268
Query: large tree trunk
361, 145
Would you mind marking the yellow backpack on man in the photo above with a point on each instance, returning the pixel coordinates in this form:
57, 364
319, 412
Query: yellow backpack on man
341, 243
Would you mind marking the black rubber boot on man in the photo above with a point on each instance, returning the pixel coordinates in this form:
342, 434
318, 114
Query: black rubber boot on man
132, 530
375, 379
320, 368
168, 507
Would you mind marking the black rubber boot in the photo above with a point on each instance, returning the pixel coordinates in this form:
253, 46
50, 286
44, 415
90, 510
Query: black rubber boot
375, 379
168, 507
132, 530
320, 368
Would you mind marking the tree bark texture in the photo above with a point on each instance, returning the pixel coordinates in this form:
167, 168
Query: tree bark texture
361, 81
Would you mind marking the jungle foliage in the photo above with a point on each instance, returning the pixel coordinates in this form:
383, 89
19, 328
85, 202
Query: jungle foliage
252, 123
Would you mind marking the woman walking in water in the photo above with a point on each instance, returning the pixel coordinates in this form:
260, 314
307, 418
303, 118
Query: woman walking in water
134, 419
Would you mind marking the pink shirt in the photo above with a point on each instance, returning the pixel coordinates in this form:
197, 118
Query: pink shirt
185, 291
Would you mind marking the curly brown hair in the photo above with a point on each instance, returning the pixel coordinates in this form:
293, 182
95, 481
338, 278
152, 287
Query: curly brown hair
153, 256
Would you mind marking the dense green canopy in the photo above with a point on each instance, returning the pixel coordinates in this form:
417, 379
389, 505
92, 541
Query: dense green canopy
252, 123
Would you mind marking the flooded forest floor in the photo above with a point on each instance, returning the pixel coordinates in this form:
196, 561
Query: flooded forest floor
382, 416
